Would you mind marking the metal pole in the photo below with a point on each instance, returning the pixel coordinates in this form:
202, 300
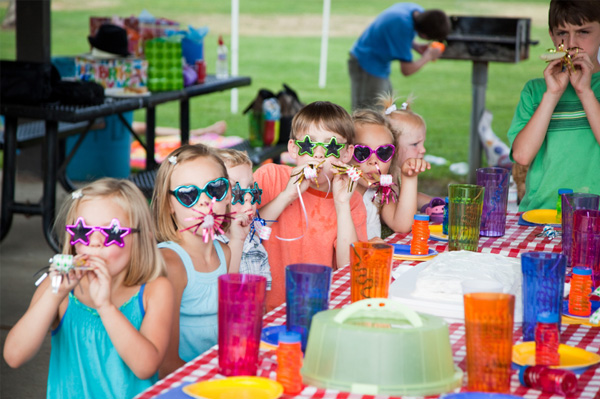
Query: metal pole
479, 82
324, 43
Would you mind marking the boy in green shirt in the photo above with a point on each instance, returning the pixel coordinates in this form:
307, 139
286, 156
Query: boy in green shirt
556, 126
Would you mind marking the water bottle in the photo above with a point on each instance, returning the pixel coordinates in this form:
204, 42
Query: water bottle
556, 381
222, 66
289, 362
547, 339
420, 235
513, 196
581, 289
271, 120
445, 222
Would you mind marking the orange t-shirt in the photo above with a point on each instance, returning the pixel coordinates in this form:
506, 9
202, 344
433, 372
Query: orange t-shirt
319, 240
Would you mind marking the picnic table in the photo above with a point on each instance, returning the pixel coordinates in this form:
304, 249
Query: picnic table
518, 239
54, 113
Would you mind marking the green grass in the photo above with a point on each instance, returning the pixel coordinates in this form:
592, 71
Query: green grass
443, 89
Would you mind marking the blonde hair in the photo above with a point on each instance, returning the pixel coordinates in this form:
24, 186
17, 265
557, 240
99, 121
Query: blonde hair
146, 262
233, 158
371, 117
402, 119
165, 227
326, 115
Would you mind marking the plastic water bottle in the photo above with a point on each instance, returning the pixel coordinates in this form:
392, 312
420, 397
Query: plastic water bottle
420, 235
561, 191
222, 66
547, 339
556, 381
289, 362
512, 206
579, 295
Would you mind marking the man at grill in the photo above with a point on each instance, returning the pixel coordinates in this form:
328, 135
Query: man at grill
556, 126
391, 37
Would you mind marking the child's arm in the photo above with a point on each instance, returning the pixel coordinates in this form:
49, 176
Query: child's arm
26, 337
178, 277
581, 81
240, 227
274, 208
143, 350
399, 216
346, 231
529, 140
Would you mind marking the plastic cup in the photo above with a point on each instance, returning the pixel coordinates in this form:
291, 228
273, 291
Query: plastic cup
478, 285
493, 216
585, 248
306, 293
489, 320
466, 202
371, 270
543, 287
570, 203
241, 305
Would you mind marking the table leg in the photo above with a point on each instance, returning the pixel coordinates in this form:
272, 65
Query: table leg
150, 137
8, 174
184, 120
50, 164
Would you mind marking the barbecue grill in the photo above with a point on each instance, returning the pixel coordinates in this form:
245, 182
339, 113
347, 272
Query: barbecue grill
483, 40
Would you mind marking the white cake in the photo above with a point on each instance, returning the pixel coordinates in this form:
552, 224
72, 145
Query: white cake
441, 277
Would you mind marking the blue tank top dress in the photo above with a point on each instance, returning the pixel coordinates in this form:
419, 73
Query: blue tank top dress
198, 324
84, 363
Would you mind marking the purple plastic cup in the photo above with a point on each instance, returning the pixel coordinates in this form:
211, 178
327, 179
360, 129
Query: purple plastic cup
570, 203
306, 293
543, 287
241, 306
495, 200
585, 249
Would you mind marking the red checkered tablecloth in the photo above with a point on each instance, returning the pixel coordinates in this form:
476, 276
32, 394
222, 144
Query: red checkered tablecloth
517, 239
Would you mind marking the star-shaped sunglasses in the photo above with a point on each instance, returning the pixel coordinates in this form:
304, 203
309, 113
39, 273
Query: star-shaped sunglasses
307, 146
189, 195
80, 232
238, 194
384, 152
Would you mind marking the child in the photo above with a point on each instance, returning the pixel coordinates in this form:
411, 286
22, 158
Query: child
191, 183
317, 218
111, 322
248, 255
374, 155
556, 126
411, 130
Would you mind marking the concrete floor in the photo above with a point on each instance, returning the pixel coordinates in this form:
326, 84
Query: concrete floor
22, 253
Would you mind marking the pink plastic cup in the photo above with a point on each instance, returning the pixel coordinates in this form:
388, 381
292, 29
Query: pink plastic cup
241, 305
585, 249
570, 203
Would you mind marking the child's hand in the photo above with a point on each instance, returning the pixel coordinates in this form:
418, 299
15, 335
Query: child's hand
99, 282
556, 78
291, 190
414, 166
340, 186
240, 227
581, 79
68, 281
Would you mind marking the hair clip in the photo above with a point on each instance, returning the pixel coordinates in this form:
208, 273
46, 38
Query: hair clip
390, 109
76, 194
404, 106
173, 160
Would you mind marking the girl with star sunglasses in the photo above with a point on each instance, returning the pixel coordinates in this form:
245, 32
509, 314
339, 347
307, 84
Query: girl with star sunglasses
112, 314
191, 208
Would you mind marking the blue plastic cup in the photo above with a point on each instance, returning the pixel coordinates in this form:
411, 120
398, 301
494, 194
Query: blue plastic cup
306, 294
543, 287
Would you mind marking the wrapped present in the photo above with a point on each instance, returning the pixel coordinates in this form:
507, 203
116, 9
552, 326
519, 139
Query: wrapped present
114, 73
165, 65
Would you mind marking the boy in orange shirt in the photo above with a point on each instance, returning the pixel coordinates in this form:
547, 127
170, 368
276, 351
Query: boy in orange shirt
317, 218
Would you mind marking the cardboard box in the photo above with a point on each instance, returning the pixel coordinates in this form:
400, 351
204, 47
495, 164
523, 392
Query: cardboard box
113, 73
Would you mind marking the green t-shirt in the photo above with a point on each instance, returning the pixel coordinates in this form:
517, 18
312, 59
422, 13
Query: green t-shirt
570, 154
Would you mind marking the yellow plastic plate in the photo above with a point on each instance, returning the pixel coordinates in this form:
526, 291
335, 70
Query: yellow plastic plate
235, 387
541, 216
436, 232
570, 357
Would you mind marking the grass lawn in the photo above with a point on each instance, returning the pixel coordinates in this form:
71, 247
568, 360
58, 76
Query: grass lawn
280, 42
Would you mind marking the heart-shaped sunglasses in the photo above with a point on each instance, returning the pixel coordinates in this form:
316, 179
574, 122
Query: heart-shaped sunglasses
189, 195
384, 152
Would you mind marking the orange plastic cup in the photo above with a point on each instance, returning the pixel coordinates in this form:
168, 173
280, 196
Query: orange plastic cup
489, 319
370, 270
